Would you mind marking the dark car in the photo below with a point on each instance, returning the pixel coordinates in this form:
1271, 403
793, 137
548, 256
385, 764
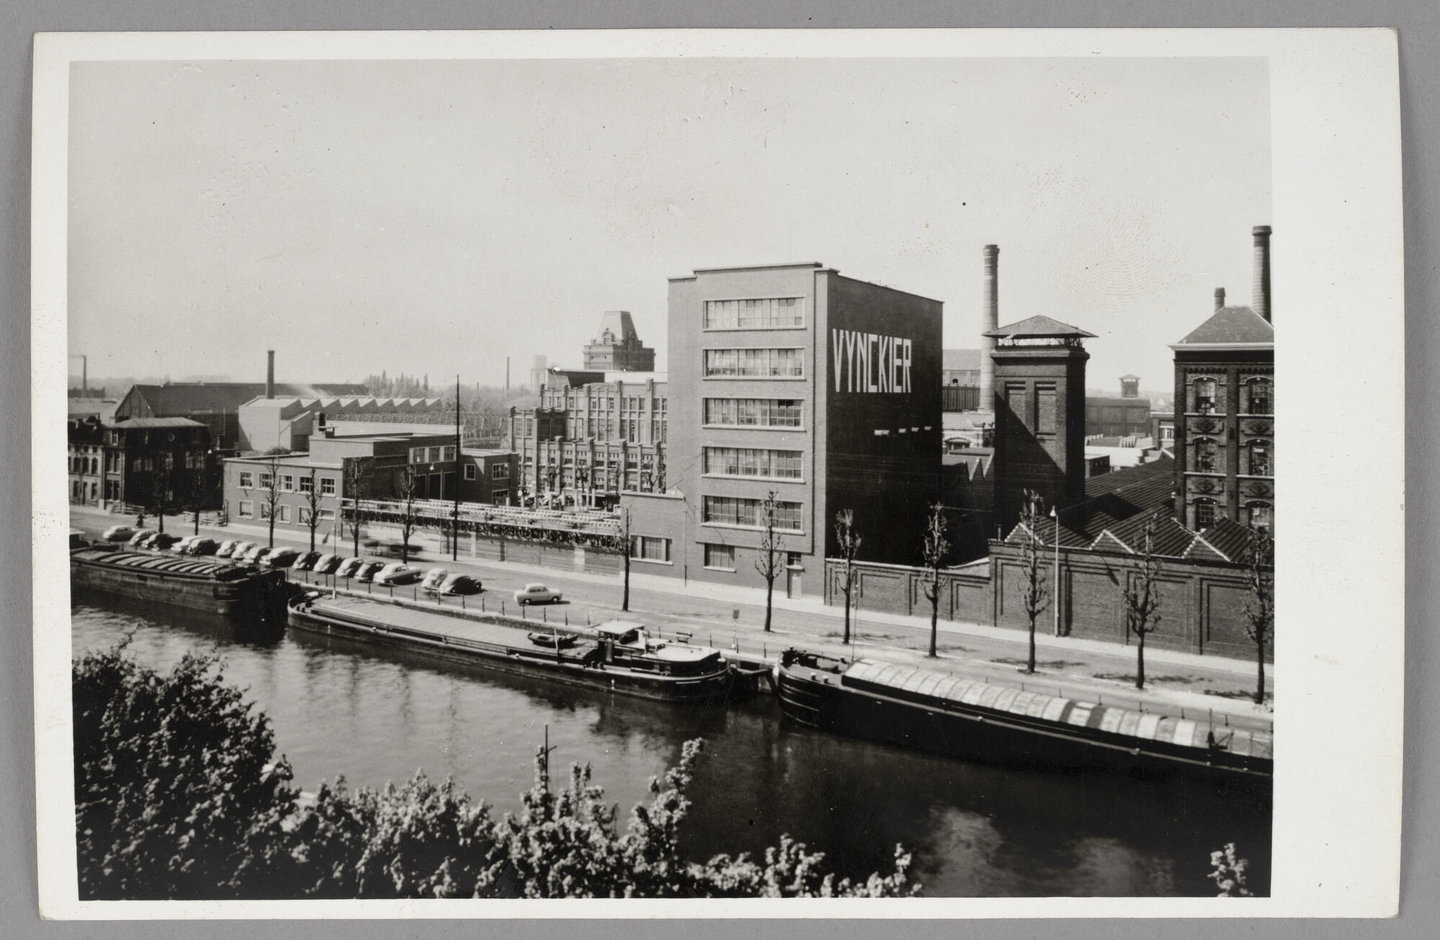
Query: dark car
326, 564
202, 546
306, 561
459, 584
162, 541
369, 570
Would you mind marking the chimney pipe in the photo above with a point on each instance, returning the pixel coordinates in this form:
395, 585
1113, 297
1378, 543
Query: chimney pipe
1262, 271
989, 321
1219, 297
270, 374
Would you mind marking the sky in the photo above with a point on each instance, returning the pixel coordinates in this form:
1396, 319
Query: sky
435, 217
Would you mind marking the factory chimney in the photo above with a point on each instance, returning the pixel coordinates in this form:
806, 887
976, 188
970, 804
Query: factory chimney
270, 374
1219, 297
1261, 297
989, 321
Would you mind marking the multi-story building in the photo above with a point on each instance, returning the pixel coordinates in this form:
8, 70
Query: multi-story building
86, 466
791, 379
1225, 410
618, 347
594, 436
149, 463
1127, 415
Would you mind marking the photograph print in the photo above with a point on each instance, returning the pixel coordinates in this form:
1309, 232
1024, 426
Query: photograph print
521, 475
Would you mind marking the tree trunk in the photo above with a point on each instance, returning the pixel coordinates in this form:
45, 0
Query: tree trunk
769, 593
1030, 663
1140, 661
934, 620
272, 527
197, 522
1260, 661
160, 521
846, 639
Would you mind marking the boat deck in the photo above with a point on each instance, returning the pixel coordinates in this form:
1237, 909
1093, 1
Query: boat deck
183, 565
395, 617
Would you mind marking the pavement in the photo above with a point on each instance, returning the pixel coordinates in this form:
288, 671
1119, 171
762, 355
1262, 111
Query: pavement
1177, 682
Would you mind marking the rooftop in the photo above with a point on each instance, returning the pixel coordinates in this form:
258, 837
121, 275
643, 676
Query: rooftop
1039, 327
1231, 326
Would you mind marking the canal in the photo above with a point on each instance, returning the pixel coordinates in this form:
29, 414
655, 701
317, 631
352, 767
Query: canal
338, 709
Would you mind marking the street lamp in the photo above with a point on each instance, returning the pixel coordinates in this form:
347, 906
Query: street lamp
1055, 588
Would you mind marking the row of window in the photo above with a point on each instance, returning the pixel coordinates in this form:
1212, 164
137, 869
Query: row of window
717, 557
741, 511
757, 313
1207, 396
753, 462
442, 454
289, 482
1258, 515
772, 363
246, 508
1256, 459
753, 412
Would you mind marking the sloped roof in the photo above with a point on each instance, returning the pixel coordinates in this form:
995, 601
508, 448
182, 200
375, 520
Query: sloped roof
154, 423
181, 398
1039, 327
1232, 326
1172, 539
1229, 538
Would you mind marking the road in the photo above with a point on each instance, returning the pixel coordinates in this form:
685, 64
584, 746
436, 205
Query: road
1176, 682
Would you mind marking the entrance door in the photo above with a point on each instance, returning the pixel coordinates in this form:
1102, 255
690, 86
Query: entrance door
792, 581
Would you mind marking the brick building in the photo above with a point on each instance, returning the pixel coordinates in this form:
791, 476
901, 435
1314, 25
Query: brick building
1125, 415
618, 347
150, 463
1225, 410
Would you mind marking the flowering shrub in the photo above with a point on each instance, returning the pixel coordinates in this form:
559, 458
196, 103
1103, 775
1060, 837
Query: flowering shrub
1229, 873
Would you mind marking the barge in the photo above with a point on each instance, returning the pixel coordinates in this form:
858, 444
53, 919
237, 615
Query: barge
972, 719
186, 581
619, 656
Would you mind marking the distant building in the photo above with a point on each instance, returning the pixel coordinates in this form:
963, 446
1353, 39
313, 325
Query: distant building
215, 404
1125, 416
286, 422
618, 347
149, 463
1225, 410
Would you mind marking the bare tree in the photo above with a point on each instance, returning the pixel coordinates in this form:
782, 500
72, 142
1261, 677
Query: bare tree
270, 496
768, 561
847, 541
1259, 619
626, 550
408, 520
1140, 595
201, 482
311, 483
357, 474
157, 499
934, 549
1034, 587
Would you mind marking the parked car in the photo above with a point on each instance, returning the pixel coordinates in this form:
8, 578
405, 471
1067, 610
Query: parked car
433, 579
396, 574
280, 558
140, 537
306, 561
254, 554
368, 570
536, 594
326, 564
458, 584
226, 548
202, 546
118, 533
183, 545
161, 541
348, 567
238, 553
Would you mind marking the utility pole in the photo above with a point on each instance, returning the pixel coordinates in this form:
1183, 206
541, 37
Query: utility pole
1055, 601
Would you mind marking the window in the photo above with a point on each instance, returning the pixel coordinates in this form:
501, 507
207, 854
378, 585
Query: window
739, 511
501, 471
720, 557
247, 509
497, 497
266, 480
1260, 460
307, 484
247, 479
327, 486
1204, 513
283, 513
470, 471
753, 412
305, 515
1205, 450
287, 482
1167, 434
794, 560
1260, 398
754, 363
752, 462
1260, 516
264, 510
758, 313
1045, 409
1205, 402
327, 515
650, 548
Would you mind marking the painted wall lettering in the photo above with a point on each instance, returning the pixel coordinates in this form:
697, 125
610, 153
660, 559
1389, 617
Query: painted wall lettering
870, 363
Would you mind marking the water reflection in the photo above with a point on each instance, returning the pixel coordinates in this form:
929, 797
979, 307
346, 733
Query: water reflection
337, 707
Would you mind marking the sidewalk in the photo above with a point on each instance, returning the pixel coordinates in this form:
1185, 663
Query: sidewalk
1092, 669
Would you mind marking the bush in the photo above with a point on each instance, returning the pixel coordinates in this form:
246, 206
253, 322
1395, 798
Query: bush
176, 792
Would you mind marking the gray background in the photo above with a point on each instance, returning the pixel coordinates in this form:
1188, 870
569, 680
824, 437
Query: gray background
1418, 22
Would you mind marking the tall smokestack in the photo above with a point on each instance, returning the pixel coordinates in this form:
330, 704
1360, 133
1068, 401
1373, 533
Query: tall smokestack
989, 320
1261, 297
1219, 297
270, 374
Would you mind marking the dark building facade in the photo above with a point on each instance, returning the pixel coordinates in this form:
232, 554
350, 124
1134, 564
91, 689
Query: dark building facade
1039, 414
1125, 416
1225, 411
819, 388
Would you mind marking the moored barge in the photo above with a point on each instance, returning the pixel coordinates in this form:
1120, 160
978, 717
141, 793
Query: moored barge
973, 719
186, 581
619, 656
